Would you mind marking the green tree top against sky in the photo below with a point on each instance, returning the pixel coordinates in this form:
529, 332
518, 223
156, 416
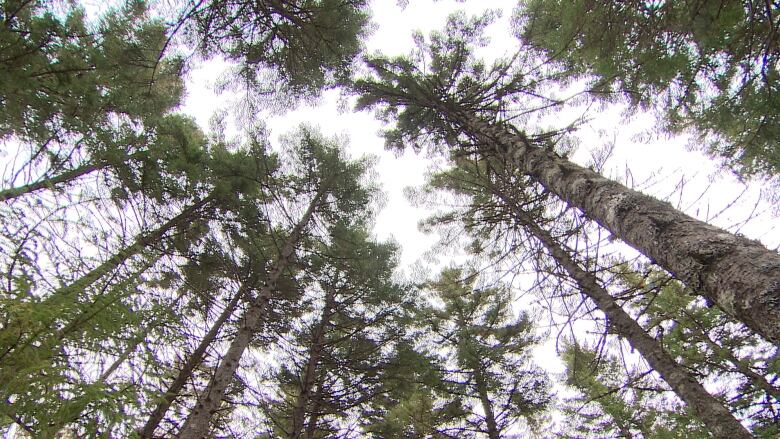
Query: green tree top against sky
280, 46
709, 66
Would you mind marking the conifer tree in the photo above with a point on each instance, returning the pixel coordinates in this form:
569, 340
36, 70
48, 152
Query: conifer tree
485, 350
446, 96
331, 189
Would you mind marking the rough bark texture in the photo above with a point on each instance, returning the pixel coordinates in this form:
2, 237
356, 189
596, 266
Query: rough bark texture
198, 423
709, 410
740, 275
310, 372
193, 361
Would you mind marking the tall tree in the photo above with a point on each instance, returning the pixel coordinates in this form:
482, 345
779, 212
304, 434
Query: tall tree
334, 191
711, 66
335, 361
496, 191
449, 95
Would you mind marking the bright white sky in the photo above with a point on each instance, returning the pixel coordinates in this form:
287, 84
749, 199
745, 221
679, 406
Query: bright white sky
666, 161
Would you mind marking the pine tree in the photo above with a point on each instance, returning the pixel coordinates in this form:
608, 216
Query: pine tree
497, 201
335, 359
332, 186
449, 96
485, 350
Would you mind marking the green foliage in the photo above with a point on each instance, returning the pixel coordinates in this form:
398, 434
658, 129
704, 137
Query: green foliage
711, 66
706, 340
483, 351
611, 403
306, 44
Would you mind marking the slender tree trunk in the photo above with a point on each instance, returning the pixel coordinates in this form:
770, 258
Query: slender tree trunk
309, 376
195, 358
72, 174
314, 415
133, 249
197, 424
740, 275
487, 405
709, 410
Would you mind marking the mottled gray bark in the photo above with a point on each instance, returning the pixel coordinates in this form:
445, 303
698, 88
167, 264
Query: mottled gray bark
740, 275
194, 359
197, 425
704, 406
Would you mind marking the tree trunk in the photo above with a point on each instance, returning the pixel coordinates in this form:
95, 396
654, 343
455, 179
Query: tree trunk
487, 405
310, 372
195, 358
197, 424
709, 410
133, 249
16, 192
740, 275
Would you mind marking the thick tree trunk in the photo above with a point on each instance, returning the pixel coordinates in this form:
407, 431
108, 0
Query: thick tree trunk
709, 410
487, 405
198, 423
195, 358
309, 376
740, 275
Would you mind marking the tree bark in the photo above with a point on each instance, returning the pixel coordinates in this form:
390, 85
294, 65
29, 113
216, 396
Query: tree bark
195, 358
740, 275
197, 424
704, 406
72, 174
487, 405
310, 372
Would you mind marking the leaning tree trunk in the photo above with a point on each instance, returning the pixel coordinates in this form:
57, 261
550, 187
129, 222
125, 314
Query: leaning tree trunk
704, 406
195, 358
69, 293
738, 274
198, 423
309, 375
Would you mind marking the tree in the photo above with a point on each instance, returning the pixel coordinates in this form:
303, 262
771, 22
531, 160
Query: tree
81, 97
498, 199
710, 66
484, 350
282, 47
336, 358
614, 403
450, 96
332, 186
707, 341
